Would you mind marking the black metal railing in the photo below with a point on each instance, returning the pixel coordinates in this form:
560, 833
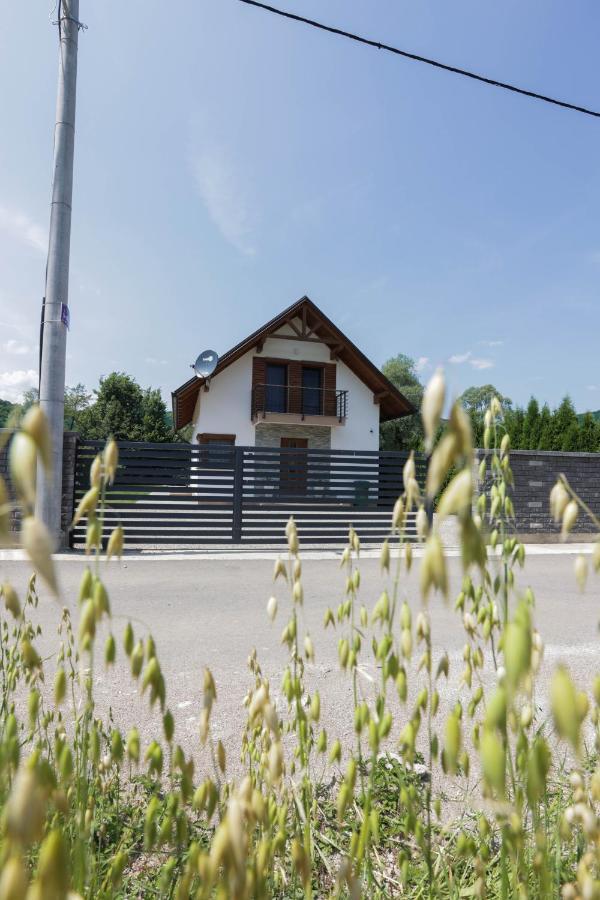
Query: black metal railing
298, 400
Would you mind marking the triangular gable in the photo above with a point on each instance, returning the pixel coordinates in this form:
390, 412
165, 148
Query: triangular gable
312, 324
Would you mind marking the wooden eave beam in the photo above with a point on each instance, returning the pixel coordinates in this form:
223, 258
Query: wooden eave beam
292, 337
377, 398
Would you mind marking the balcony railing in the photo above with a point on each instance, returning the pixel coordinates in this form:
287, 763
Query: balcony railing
298, 400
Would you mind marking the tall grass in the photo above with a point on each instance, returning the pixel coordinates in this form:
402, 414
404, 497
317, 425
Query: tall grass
88, 811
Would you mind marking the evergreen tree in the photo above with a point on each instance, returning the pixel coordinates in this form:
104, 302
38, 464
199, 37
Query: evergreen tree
545, 429
589, 434
513, 422
564, 422
531, 426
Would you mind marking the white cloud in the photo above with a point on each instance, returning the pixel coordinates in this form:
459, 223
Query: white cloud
476, 362
492, 343
422, 363
224, 198
16, 348
14, 384
23, 229
593, 387
481, 363
151, 360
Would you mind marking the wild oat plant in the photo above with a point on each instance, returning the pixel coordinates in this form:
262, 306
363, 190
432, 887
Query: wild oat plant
87, 811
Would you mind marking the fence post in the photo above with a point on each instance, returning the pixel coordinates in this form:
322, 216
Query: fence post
429, 501
238, 490
70, 443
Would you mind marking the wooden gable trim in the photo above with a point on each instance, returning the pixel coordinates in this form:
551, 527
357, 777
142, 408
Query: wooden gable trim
393, 404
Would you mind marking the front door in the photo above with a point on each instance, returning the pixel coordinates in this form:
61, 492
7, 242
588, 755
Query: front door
293, 466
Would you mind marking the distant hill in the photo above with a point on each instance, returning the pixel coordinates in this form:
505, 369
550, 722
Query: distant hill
595, 415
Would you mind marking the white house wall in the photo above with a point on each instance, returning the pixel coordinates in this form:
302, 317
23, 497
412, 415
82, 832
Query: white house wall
225, 408
361, 431
304, 350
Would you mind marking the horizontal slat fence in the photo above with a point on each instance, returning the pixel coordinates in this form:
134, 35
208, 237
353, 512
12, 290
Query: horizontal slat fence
185, 495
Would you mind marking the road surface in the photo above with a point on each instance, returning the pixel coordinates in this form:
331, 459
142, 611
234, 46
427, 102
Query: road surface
212, 612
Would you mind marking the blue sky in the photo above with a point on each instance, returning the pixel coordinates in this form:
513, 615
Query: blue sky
228, 162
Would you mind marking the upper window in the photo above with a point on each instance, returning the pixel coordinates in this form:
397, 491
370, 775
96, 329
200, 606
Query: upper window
312, 393
276, 388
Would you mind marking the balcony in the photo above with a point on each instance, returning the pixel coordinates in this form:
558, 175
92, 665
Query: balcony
294, 404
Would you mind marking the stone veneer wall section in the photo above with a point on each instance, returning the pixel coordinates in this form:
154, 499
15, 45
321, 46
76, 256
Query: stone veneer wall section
535, 472
269, 435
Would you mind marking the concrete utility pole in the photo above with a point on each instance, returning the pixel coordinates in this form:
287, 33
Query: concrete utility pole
56, 310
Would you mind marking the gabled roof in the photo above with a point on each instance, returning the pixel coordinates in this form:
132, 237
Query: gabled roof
315, 323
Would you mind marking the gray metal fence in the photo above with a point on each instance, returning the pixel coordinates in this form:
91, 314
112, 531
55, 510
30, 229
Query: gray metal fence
180, 494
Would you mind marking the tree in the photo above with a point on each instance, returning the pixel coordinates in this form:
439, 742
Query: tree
545, 429
30, 397
77, 399
154, 418
125, 411
530, 434
589, 434
564, 425
6, 408
513, 422
405, 433
475, 401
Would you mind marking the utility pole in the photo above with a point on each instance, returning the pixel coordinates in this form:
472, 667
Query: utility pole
56, 308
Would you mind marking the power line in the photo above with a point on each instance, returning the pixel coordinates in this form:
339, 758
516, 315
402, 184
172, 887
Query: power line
422, 59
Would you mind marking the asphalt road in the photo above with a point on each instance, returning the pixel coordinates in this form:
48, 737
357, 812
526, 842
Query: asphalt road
204, 612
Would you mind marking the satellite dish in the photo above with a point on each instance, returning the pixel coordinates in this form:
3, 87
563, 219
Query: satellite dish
206, 364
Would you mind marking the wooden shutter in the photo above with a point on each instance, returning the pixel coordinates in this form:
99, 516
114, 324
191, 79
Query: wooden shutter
259, 376
295, 386
329, 384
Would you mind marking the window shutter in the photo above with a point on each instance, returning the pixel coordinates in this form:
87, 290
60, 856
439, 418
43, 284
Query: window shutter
295, 386
329, 384
259, 369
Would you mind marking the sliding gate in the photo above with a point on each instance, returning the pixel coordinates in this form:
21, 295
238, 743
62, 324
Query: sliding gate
185, 495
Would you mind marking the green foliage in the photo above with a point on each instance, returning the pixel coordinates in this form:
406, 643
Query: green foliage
126, 411
29, 398
77, 400
406, 433
476, 400
6, 408
533, 428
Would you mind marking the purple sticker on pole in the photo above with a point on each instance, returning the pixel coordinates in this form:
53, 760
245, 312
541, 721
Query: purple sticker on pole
65, 316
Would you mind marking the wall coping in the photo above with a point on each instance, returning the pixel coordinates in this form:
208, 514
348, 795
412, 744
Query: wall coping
552, 454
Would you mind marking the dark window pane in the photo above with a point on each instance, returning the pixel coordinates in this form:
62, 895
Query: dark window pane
311, 391
276, 388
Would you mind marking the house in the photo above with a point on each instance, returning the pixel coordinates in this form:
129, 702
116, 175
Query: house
296, 382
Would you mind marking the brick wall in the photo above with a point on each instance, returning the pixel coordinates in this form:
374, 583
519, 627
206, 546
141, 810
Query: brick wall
535, 472
68, 480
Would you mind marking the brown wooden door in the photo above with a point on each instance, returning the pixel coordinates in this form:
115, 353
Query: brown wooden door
292, 467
